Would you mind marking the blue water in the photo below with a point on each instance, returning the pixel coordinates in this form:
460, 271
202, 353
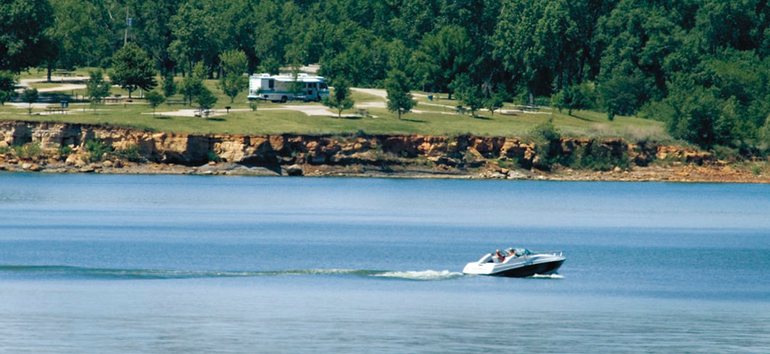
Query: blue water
157, 264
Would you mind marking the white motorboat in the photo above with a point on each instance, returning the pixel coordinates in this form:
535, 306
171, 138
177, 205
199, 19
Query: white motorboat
516, 262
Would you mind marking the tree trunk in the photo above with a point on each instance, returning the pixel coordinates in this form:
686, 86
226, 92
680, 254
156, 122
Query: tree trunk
50, 68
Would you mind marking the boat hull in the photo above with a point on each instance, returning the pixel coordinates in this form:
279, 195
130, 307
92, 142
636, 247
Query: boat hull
530, 270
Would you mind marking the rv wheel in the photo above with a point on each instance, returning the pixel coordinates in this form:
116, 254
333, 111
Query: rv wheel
284, 99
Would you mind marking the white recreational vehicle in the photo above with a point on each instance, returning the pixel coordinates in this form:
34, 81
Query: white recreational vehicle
278, 88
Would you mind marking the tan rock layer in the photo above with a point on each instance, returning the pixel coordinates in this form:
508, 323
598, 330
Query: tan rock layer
288, 149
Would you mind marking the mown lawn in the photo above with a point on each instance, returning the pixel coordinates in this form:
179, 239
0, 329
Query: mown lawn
439, 118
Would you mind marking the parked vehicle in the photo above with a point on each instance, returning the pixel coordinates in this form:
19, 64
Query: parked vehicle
279, 88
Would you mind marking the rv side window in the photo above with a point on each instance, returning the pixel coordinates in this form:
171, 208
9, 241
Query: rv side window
271, 84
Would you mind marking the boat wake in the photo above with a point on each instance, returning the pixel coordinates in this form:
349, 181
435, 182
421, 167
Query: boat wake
547, 276
423, 275
112, 273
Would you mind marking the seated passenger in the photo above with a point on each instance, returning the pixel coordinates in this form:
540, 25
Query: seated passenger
499, 256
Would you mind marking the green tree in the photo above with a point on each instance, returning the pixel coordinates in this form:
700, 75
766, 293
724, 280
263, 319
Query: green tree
205, 99
473, 98
518, 46
239, 19
152, 29
469, 93
573, 97
154, 99
233, 82
254, 103
169, 87
77, 36
192, 85
341, 99
296, 86
696, 114
277, 26
623, 94
96, 88
496, 101
7, 86
133, 69
447, 53
30, 96
22, 33
399, 98
765, 134
271, 66
198, 33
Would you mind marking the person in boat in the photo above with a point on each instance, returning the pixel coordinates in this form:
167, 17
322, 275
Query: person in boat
499, 256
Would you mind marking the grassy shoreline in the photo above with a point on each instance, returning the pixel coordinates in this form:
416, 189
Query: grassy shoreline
436, 117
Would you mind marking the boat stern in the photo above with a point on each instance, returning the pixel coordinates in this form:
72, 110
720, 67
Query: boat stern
478, 268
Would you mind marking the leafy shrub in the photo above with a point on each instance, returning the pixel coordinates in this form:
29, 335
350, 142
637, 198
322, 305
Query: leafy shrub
96, 150
542, 136
213, 156
5, 149
470, 157
545, 131
28, 151
65, 150
422, 161
597, 159
130, 153
725, 153
509, 163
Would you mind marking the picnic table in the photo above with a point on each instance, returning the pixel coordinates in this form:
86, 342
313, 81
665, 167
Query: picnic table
112, 99
202, 113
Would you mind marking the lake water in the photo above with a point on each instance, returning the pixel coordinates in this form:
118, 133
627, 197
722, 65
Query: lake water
181, 264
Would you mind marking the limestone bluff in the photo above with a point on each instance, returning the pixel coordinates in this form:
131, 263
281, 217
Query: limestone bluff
294, 154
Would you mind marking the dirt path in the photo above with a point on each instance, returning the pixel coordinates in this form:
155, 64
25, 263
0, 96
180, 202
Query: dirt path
66, 84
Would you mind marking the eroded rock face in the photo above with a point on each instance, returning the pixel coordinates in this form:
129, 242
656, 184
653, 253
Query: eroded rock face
291, 149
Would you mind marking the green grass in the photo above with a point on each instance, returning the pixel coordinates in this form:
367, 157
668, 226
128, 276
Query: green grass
437, 120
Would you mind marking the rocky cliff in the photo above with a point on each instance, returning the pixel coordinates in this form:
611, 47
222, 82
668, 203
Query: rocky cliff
304, 152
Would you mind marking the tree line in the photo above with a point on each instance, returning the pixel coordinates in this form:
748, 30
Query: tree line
701, 66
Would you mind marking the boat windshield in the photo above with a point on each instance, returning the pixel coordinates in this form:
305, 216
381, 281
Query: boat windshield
518, 252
